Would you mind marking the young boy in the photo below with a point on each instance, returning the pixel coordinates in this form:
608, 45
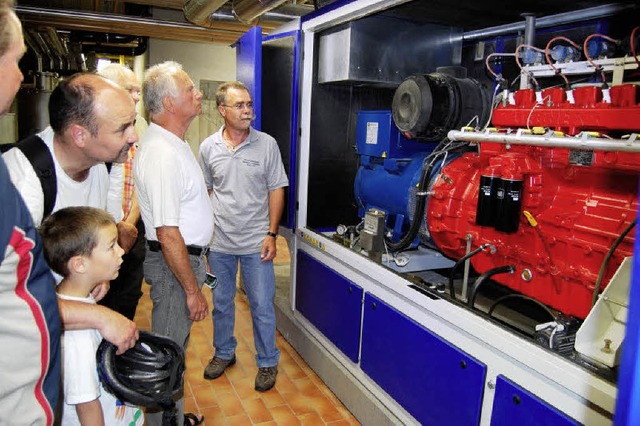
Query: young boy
81, 244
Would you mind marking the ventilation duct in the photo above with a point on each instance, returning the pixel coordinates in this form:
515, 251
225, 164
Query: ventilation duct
248, 10
199, 11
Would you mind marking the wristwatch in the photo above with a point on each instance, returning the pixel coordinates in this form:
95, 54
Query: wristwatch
272, 234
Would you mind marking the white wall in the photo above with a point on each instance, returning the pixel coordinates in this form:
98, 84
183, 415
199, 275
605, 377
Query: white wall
202, 61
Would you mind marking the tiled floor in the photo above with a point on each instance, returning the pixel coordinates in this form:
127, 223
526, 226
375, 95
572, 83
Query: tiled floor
298, 398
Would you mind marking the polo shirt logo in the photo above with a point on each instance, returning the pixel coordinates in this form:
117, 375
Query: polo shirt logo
250, 163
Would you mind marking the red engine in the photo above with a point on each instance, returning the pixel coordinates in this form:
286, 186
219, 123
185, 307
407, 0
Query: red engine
564, 206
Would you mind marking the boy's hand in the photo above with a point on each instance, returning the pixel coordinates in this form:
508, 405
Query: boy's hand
119, 330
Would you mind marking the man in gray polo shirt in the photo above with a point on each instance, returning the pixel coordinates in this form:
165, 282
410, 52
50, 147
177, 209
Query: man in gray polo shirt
243, 170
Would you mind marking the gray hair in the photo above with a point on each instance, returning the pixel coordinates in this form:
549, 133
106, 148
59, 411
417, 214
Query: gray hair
159, 81
117, 73
9, 26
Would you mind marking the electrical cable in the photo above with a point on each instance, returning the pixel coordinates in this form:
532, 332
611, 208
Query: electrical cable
493, 106
633, 45
491, 55
586, 53
463, 259
607, 257
421, 194
522, 70
482, 278
503, 299
550, 62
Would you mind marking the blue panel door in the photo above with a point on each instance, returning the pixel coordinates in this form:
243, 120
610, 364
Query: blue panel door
249, 68
435, 382
330, 302
515, 406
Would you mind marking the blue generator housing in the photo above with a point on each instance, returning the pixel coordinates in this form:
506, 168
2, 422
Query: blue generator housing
390, 169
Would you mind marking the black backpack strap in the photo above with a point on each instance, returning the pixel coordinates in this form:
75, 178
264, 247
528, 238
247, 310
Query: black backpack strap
40, 158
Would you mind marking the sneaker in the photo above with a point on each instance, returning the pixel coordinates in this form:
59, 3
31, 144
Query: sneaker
266, 378
217, 366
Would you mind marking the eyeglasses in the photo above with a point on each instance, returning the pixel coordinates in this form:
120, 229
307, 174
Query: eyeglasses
240, 106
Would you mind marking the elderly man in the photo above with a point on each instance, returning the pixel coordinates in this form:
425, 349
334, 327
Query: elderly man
126, 290
91, 123
175, 208
30, 330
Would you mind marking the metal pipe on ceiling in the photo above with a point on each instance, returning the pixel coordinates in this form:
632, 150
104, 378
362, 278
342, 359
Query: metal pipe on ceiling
550, 21
199, 11
226, 33
248, 10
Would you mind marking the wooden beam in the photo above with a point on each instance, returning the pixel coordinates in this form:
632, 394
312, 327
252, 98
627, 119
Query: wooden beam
221, 33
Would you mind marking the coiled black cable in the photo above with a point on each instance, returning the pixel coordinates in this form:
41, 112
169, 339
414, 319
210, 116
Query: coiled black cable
488, 274
421, 194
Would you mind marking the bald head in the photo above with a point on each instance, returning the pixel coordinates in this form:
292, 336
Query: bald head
73, 101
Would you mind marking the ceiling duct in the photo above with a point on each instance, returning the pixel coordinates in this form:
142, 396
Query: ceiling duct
248, 10
199, 11
206, 12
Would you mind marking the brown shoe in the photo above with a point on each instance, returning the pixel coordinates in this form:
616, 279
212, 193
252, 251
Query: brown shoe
217, 366
266, 378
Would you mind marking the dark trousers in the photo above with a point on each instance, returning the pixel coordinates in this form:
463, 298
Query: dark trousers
126, 290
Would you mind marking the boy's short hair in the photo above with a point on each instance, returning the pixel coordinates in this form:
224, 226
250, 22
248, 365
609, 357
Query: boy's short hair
69, 232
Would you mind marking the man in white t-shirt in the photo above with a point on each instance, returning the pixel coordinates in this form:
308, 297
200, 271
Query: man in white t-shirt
176, 211
92, 122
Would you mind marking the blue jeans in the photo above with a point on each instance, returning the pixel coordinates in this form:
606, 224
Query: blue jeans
170, 314
260, 284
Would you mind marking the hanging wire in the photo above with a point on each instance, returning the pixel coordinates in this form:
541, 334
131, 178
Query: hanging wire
550, 62
597, 67
496, 76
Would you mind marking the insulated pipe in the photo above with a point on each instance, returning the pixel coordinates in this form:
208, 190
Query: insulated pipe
550, 21
199, 11
580, 142
248, 10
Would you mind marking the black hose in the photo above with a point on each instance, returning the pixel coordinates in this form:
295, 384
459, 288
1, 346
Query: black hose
482, 278
520, 296
418, 213
463, 259
421, 195
607, 257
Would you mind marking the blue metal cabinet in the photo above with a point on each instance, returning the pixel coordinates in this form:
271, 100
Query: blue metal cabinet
330, 302
513, 405
434, 381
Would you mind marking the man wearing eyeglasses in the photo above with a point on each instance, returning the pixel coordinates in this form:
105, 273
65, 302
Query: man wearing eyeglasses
244, 173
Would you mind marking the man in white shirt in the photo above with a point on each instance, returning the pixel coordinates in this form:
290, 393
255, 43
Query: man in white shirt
175, 209
92, 122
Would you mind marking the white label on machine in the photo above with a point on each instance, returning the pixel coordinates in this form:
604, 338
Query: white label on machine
370, 224
372, 133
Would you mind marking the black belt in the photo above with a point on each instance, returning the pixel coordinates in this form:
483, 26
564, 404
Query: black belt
193, 250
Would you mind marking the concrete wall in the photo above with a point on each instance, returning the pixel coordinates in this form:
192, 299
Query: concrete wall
212, 62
